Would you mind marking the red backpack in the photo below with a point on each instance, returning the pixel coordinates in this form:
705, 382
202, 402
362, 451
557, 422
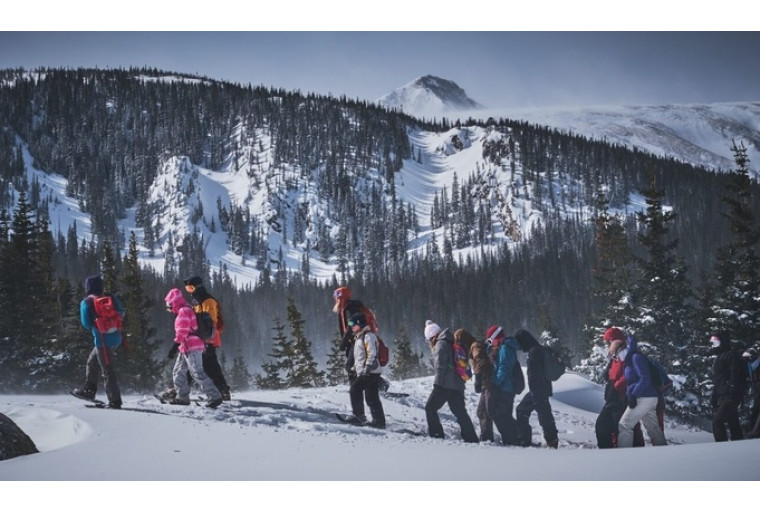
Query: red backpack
107, 317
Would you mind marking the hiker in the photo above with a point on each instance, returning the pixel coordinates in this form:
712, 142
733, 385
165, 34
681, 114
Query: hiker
202, 300
190, 357
606, 426
507, 381
641, 397
537, 397
752, 361
346, 307
368, 374
448, 386
729, 386
482, 371
102, 355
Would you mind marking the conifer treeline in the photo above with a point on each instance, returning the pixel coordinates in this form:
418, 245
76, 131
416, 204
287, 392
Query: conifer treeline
108, 132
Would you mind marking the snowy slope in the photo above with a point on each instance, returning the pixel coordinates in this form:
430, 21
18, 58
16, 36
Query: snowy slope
292, 435
699, 134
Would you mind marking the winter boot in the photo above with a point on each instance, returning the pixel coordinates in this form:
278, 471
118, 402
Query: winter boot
377, 424
553, 444
179, 401
169, 394
226, 396
214, 403
356, 420
85, 393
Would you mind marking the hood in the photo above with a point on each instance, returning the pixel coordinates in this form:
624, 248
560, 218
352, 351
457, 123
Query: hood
525, 340
725, 342
93, 285
175, 300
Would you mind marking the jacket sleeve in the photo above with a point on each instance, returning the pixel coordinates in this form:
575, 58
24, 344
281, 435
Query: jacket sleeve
641, 368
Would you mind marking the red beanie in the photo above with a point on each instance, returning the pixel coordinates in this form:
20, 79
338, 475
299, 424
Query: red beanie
614, 333
494, 330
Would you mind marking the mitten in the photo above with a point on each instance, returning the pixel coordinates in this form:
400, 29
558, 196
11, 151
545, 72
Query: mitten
632, 402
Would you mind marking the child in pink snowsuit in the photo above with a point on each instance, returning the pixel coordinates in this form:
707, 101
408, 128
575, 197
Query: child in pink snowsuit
191, 349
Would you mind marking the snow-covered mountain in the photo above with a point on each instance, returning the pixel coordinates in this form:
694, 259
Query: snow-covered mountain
429, 96
698, 134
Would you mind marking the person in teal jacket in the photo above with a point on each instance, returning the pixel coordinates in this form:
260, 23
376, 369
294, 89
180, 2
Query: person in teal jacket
508, 381
101, 360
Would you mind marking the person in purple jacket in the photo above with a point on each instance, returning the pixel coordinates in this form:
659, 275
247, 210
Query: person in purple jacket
641, 396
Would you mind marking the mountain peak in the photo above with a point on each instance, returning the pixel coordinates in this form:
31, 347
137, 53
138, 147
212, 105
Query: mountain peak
429, 95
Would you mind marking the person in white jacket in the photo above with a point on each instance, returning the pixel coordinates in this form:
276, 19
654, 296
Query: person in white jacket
368, 375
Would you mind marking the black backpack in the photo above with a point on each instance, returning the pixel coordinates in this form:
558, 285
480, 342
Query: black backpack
205, 326
554, 366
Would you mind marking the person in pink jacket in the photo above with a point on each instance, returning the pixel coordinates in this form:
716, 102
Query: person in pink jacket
191, 349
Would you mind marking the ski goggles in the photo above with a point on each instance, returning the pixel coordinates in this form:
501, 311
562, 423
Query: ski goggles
495, 335
337, 294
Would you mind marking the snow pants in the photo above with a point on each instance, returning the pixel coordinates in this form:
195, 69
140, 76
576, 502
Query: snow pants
525, 408
192, 362
367, 387
455, 400
213, 369
645, 412
606, 427
102, 362
499, 405
727, 412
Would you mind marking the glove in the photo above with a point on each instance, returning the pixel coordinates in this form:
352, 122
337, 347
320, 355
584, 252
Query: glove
478, 383
173, 351
365, 372
632, 402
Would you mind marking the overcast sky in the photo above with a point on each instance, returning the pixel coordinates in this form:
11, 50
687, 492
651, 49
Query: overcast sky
496, 69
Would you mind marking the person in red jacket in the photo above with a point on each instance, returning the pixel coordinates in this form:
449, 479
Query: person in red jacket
614, 394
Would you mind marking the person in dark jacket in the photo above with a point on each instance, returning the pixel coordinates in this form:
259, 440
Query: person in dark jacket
101, 360
448, 386
506, 382
729, 386
641, 398
202, 301
537, 397
606, 426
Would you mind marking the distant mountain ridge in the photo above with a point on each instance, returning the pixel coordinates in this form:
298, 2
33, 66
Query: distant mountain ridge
429, 96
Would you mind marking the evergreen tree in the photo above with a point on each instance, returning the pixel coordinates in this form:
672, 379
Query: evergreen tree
281, 354
406, 363
736, 307
663, 297
240, 377
139, 365
304, 372
336, 363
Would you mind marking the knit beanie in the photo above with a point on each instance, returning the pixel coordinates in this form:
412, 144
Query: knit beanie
495, 331
614, 333
431, 329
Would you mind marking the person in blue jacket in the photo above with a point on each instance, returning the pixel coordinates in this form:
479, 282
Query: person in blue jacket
101, 359
507, 382
641, 397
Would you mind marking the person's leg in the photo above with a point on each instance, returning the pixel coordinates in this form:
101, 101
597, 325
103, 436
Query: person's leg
107, 361
434, 402
466, 428
546, 420
485, 421
523, 411
372, 396
628, 420
651, 423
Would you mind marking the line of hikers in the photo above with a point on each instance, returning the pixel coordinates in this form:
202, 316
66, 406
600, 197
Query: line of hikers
194, 348
633, 394
634, 389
